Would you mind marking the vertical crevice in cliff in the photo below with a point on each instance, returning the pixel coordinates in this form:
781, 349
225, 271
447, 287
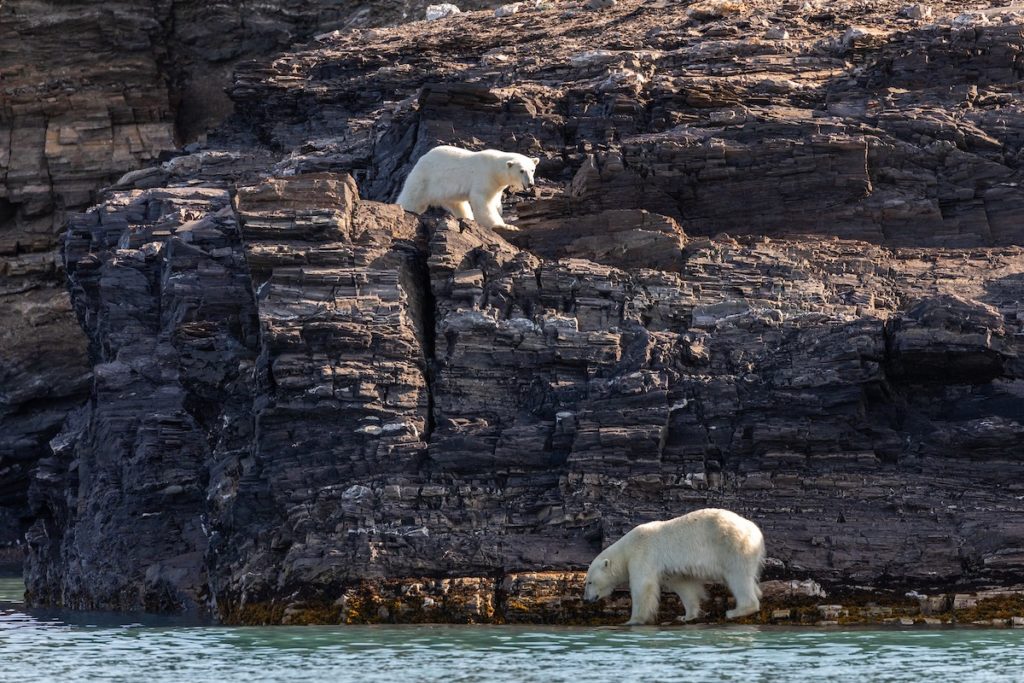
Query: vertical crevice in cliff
224, 470
890, 368
166, 60
423, 309
195, 83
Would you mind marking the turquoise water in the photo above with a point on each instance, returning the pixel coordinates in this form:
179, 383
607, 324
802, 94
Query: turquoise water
62, 646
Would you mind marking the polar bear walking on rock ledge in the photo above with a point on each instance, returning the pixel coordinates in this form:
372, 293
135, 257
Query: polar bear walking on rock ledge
467, 184
682, 554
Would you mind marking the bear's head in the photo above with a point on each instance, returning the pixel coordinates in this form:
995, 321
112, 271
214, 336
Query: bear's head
519, 172
602, 578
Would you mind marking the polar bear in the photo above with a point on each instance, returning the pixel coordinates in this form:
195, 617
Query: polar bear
467, 184
682, 554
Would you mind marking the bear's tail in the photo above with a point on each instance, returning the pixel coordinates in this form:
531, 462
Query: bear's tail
760, 567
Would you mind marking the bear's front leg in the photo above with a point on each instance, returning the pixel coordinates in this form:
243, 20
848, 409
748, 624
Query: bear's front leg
646, 595
487, 213
496, 205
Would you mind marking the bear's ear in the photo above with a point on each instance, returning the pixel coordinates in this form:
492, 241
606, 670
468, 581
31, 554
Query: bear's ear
606, 562
535, 160
510, 163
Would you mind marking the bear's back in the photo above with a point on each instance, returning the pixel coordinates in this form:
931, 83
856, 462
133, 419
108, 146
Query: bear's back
449, 152
710, 529
724, 529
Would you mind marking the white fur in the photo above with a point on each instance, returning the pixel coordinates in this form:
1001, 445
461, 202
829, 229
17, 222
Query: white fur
681, 555
467, 184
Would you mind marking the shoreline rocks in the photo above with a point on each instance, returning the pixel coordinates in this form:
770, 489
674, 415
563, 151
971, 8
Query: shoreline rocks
555, 598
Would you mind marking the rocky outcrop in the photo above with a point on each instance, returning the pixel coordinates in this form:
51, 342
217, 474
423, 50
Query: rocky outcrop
90, 91
562, 402
778, 275
871, 127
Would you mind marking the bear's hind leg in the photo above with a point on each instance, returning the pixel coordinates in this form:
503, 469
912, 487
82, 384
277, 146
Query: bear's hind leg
646, 595
690, 592
413, 207
460, 210
744, 588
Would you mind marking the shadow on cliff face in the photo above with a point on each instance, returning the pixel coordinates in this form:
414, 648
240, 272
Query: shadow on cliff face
948, 340
954, 365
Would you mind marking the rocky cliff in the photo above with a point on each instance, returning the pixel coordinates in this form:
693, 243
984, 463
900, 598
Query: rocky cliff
774, 264
91, 90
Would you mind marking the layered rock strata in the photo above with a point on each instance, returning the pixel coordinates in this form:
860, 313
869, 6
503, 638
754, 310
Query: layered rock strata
863, 126
562, 402
89, 91
781, 276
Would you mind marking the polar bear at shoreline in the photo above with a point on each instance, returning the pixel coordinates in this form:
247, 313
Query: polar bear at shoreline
681, 555
467, 184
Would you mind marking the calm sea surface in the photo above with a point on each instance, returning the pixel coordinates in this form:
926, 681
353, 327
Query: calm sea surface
41, 645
